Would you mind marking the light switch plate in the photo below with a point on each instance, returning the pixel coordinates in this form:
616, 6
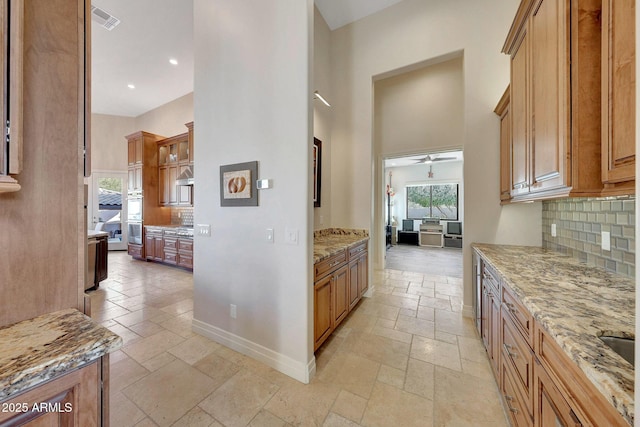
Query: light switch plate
553, 230
291, 236
203, 230
269, 235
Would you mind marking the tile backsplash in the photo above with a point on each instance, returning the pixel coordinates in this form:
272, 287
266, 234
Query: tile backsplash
182, 216
579, 224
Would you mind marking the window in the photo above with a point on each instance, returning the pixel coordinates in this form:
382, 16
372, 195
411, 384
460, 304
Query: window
432, 201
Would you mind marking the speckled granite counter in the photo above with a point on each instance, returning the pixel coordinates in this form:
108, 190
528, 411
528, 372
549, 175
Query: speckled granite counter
329, 241
575, 303
39, 349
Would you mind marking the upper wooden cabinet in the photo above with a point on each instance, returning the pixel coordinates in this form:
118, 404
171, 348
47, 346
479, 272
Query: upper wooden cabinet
175, 156
618, 96
503, 111
569, 117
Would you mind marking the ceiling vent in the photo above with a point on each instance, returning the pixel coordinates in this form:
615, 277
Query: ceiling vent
104, 18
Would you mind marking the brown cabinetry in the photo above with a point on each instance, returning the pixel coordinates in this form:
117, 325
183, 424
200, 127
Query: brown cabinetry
502, 110
554, 100
74, 399
143, 182
339, 283
540, 385
618, 96
175, 156
169, 246
153, 244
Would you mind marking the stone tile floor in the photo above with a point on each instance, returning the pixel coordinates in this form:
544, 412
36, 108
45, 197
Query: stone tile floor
404, 357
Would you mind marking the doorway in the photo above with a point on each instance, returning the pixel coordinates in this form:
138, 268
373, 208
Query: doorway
423, 205
108, 207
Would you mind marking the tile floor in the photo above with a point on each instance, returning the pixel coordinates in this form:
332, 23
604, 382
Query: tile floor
404, 357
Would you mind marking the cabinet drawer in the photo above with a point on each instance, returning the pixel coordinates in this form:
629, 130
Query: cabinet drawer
185, 245
519, 355
514, 401
134, 250
490, 277
170, 244
326, 266
170, 257
185, 261
521, 317
357, 250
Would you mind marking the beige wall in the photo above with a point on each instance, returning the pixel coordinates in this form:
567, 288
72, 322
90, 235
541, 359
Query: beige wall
322, 115
421, 110
407, 34
108, 145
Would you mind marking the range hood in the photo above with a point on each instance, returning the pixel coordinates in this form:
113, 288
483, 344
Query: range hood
186, 176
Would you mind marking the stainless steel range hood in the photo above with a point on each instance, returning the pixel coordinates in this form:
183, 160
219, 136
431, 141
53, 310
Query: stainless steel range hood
186, 177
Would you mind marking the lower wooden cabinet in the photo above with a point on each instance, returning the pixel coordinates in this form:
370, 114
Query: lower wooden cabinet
79, 398
340, 282
168, 247
551, 408
539, 383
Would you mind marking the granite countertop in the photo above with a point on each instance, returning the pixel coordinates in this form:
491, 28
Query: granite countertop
93, 234
576, 304
330, 241
37, 350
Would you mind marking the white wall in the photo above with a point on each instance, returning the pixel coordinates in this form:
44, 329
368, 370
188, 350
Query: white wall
168, 119
322, 115
253, 102
403, 35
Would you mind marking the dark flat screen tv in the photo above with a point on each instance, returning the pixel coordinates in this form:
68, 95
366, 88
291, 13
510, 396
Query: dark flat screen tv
454, 228
407, 225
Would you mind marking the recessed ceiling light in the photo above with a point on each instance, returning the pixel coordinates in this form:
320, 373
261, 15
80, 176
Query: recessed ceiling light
173, 61
131, 86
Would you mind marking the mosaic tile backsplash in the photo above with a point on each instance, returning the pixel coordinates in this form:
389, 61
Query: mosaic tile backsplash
579, 224
182, 216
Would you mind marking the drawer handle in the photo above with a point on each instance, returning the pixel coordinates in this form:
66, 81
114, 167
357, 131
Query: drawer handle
333, 264
510, 399
508, 349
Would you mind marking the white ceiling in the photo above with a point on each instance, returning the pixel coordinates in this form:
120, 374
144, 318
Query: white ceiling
151, 32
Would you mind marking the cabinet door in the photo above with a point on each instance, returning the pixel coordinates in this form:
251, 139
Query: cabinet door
137, 178
322, 318
505, 156
75, 394
485, 319
131, 179
551, 408
171, 183
158, 244
494, 334
549, 94
618, 91
150, 244
340, 294
519, 119
363, 274
163, 185
354, 293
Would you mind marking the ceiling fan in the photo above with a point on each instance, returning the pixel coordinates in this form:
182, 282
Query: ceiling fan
430, 159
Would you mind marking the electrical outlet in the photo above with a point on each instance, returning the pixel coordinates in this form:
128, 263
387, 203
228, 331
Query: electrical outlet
233, 311
553, 230
606, 241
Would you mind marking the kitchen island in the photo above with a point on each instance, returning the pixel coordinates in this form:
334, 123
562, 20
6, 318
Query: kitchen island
571, 305
55, 368
341, 277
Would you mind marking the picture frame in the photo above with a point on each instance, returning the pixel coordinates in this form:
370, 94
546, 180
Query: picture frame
238, 184
317, 172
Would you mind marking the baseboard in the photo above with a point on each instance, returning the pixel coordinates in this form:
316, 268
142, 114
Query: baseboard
281, 363
468, 311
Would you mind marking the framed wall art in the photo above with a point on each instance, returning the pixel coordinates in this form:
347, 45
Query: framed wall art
317, 171
237, 184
